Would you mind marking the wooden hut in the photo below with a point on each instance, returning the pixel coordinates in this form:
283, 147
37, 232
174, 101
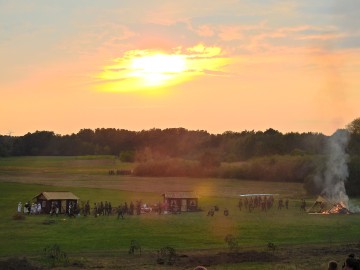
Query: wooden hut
183, 201
61, 198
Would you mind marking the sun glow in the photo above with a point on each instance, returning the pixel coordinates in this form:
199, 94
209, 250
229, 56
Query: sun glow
142, 70
157, 69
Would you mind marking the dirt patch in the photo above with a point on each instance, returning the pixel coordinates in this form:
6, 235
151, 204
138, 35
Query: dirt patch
18, 264
225, 258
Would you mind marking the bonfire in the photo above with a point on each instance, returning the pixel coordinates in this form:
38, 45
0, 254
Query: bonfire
325, 206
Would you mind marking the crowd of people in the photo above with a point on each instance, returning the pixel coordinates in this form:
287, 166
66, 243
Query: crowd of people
29, 208
264, 203
249, 203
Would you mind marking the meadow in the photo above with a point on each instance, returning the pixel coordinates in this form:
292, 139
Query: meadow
302, 241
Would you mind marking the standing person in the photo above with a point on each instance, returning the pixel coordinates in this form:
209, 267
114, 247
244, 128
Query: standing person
287, 204
39, 208
28, 207
120, 212
106, 209
126, 208
303, 205
19, 209
138, 207
87, 208
280, 204
95, 210
57, 209
132, 208
53, 209
110, 209
33, 208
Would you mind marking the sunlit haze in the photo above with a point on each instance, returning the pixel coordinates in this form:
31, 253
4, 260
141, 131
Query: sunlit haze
293, 66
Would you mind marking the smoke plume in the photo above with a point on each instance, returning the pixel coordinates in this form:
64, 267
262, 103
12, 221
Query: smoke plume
336, 169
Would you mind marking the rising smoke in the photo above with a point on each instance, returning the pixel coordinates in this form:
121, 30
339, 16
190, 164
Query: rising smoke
336, 169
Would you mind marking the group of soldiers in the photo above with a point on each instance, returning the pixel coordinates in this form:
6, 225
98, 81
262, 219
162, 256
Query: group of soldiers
264, 203
131, 209
106, 209
99, 209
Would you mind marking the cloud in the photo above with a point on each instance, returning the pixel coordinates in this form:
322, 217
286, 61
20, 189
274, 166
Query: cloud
205, 31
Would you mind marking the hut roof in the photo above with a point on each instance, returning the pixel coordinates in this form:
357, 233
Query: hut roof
180, 194
57, 195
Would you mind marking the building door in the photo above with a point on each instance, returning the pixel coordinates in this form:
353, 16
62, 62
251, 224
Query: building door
63, 207
183, 205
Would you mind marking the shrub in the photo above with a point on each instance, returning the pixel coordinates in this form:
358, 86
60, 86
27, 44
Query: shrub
55, 256
233, 242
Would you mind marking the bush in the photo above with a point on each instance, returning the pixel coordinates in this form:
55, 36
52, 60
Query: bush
55, 256
233, 242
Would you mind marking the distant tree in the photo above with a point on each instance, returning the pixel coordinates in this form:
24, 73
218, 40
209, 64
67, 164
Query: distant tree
37, 143
354, 144
354, 126
6, 145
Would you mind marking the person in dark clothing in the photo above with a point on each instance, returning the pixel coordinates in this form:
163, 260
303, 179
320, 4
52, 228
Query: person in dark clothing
120, 212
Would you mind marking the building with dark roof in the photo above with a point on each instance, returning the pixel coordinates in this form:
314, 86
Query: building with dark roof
181, 201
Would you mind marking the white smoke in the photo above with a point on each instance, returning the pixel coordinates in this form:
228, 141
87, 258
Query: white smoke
336, 169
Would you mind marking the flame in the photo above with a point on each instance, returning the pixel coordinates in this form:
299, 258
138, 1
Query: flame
327, 206
338, 208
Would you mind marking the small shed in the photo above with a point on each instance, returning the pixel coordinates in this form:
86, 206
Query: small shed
61, 198
181, 201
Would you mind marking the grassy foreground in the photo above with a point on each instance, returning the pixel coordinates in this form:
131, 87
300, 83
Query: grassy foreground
292, 231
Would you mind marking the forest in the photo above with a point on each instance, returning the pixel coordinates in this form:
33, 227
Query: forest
256, 155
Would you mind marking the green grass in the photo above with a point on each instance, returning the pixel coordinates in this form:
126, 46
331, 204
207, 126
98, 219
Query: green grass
188, 231
185, 231
92, 165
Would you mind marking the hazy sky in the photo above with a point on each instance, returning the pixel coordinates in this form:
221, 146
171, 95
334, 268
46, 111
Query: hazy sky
212, 65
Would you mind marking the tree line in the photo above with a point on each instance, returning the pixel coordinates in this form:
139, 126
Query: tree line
172, 142
257, 155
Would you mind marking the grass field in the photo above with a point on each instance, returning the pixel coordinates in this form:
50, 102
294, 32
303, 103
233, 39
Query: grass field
301, 239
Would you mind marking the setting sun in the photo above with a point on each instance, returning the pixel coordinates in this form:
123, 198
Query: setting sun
143, 70
156, 69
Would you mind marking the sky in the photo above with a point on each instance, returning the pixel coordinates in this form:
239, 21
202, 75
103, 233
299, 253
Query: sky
228, 65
